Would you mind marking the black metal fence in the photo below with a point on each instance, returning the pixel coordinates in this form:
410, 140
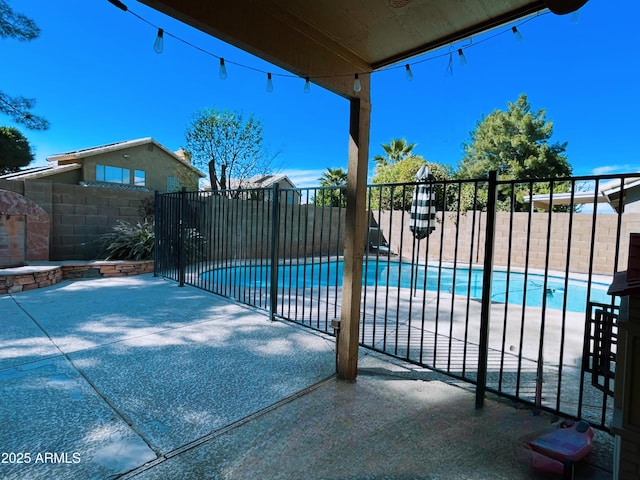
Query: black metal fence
269, 248
500, 295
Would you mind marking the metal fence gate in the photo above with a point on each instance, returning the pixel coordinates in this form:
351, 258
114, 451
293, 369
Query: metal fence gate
508, 293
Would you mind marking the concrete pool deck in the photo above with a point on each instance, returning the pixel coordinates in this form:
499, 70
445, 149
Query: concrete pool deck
134, 377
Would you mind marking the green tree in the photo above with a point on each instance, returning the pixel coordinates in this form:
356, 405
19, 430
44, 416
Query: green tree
390, 196
228, 145
399, 197
15, 151
335, 179
516, 143
399, 165
18, 26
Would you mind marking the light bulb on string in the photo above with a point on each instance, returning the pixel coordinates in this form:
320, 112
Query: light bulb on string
408, 72
517, 33
357, 86
307, 85
461, 57
269, 83
158, 45
223, 70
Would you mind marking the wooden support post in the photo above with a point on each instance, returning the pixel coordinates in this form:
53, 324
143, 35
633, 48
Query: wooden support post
355, 231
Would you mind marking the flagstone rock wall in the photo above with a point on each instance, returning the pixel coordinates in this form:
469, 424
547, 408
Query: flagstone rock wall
22, 279
24, 230
12, 240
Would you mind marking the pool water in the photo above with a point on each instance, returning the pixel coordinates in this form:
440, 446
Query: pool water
534, 291
400, 275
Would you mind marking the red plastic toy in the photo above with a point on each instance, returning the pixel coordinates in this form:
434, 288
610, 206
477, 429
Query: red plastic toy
556, 452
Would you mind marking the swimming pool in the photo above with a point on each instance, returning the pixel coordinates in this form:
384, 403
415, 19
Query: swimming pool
399, 275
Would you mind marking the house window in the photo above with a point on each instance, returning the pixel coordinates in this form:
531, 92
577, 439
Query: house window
106, 173
172, 184
139, 177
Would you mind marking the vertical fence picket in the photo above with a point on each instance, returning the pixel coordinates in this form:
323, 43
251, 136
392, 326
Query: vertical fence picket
483, 348
275, 245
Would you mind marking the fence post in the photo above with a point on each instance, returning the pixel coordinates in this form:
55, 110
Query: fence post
275, 240
181, 246
156, 232
487, 277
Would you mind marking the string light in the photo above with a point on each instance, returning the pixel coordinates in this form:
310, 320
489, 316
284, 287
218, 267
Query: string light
223, 70
461, 57
269, 83
517, 33
119, 4
158, 45
357, 86
408, 72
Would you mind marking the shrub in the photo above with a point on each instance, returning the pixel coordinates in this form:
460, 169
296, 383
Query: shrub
129, 242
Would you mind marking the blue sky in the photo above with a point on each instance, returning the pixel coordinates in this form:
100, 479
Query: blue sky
96, 78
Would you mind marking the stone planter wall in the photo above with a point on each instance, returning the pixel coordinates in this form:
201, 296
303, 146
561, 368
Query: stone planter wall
20, 279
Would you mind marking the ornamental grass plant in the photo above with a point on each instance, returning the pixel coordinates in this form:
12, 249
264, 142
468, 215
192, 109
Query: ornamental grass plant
129, 241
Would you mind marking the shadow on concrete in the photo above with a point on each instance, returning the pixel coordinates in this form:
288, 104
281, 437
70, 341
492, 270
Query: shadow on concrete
138, 378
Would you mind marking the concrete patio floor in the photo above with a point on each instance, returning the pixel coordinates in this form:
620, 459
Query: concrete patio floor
134, 377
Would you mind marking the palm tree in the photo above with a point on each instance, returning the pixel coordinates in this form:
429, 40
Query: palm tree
397, 149
334, 177
336, 180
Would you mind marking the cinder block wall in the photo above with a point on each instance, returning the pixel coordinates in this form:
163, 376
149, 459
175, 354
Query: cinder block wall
243, 229
79, 215
469, 230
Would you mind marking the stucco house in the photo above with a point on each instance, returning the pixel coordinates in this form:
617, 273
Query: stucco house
267, 181
141, 164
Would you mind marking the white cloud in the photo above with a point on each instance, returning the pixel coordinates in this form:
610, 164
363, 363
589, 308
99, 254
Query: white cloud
303, 178
608, 169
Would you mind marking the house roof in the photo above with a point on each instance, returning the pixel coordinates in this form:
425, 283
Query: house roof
330, 40
79, 155
261, 181
543, 200
264, 181
613, 187
41, 172
607, 193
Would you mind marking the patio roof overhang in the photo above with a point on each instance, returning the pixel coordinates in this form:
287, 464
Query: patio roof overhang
330, 41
